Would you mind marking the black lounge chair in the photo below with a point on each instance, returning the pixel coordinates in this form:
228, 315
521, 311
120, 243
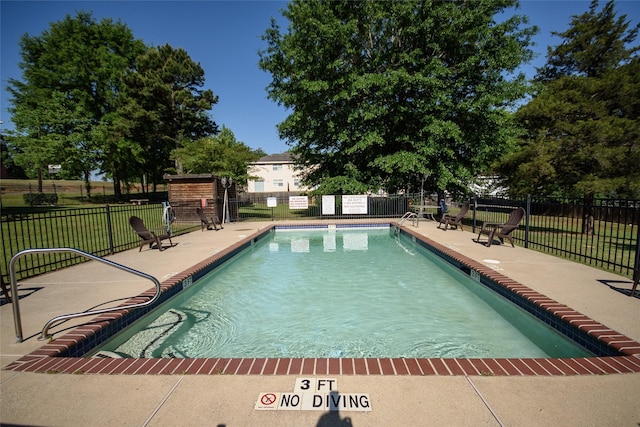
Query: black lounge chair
502, 231
5, 290
636, 275
148, 236
208, 222
450, 220
636, 281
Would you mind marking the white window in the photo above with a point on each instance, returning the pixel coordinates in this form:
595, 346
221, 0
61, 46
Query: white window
277, 167
278, 183
259, 186
296, 182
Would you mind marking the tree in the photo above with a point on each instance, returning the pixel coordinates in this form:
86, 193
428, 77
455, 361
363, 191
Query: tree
6, 160
384, 93
71, 76
164, 107
582, 127
41, 141
595, 43
220, 155
123, 158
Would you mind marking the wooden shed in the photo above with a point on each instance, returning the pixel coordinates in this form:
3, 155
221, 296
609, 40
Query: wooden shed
189, 192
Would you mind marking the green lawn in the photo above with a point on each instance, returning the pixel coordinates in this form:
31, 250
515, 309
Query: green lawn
97, 230
70, 193
611, 247
260, 211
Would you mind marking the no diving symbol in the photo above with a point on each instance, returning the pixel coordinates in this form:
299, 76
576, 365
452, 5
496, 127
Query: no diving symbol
268, 399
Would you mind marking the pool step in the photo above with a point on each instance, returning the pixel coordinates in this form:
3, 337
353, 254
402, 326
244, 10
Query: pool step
104, 354
151, 341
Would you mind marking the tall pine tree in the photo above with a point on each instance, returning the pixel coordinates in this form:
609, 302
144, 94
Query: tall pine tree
583, 126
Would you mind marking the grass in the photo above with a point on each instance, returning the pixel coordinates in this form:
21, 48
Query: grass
260, 211
71, 193
610, 247
96, 230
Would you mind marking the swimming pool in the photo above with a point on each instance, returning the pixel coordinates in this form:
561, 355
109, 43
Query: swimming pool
363, 292
615, 352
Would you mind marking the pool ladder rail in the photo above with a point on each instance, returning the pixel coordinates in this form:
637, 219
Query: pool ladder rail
15, 300
409, 216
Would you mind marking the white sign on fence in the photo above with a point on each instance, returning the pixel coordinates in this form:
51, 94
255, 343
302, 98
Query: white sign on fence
328, 205
298, 202
354, 204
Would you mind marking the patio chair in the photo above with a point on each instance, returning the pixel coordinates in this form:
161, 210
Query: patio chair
504, 230
208, 222
148, 236
5, 290
636, 275
450, 220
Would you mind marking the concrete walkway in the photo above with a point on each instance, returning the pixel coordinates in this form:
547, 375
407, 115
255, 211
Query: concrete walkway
218, 400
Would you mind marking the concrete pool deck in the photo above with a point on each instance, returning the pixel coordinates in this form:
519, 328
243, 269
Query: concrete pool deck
203, 400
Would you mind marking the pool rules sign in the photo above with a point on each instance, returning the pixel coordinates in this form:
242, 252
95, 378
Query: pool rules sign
314, 394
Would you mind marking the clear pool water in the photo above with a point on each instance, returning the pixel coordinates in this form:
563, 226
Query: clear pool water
340, 293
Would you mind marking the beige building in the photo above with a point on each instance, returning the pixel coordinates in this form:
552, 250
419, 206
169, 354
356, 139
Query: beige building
277, 173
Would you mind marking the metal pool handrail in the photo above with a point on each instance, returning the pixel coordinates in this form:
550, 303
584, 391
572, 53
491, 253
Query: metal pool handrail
409, 215
16, 300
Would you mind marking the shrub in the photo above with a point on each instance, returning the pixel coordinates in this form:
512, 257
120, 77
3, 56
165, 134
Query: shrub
34, 199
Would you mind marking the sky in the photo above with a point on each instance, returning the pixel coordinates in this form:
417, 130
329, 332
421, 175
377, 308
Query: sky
225, 37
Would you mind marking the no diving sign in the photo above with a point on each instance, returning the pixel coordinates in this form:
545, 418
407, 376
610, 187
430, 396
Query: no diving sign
314, 394
268, 401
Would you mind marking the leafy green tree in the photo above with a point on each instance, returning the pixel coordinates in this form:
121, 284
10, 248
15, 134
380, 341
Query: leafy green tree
582, 129
39, 144
6, 160
71, 75
163, 107
220, 155
384, 93
123, 158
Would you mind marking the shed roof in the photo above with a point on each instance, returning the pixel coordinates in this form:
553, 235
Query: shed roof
201, 176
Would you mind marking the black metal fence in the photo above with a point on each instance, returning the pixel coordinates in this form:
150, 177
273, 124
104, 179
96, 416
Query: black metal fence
96, 230
286, 206
605, 233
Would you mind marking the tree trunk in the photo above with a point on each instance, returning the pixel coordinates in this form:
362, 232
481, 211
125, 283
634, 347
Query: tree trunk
87, 183
117, 191
39, 180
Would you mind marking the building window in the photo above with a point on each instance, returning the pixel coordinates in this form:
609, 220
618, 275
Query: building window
297, 182
278, 183
277, 167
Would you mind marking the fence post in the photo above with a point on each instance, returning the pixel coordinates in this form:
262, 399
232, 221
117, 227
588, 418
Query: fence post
526, 222
636, 266
475, 207
109, 229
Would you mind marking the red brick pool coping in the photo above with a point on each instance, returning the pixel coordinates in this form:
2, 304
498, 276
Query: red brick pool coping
46, 359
